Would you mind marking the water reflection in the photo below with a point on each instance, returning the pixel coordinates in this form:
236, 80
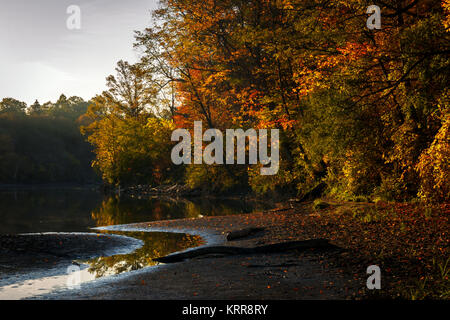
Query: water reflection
78, 210
117, 210
45, 281
156, 244
47, 210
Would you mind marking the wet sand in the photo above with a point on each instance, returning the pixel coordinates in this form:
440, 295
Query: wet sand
24, 254
292, 275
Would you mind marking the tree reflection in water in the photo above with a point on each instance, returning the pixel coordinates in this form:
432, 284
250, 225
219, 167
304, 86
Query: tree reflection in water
156, 244
116, 210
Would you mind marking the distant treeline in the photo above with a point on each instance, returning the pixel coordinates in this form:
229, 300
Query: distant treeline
43, 143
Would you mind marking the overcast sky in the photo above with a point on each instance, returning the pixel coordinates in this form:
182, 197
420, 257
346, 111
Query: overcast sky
40, 58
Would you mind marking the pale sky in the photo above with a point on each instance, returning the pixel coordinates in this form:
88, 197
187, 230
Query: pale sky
40, 58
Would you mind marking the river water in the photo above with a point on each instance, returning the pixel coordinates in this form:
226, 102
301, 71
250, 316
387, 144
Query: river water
80, 210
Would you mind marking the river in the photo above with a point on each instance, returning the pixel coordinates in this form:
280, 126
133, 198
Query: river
73, 210
79, 209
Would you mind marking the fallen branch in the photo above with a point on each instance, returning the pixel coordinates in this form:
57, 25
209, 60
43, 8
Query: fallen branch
233, 235
228, 250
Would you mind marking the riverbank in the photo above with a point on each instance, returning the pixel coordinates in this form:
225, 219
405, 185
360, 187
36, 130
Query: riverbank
409, 242
289, 275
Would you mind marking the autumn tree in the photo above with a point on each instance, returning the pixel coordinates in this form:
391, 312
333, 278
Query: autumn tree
356, 106
132, 145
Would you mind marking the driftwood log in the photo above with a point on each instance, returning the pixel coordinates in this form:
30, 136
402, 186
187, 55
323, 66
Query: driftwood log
238, 234
229, 250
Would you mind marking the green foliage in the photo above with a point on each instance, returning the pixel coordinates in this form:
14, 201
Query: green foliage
372, 214
435, 285
132, 151
44, 147
216, 178
10, 105
319, 204
132, 146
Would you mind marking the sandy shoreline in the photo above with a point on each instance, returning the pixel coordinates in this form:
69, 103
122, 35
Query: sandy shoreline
28, 256
290, 275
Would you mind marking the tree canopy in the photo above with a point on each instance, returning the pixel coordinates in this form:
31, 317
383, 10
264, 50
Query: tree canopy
364, 112
43, 144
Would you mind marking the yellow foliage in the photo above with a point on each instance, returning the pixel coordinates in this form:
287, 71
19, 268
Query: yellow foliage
434, 166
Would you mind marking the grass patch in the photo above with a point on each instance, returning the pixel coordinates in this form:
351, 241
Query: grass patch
319, 204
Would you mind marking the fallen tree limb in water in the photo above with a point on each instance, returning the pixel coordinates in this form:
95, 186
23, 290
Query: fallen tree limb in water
228, 250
